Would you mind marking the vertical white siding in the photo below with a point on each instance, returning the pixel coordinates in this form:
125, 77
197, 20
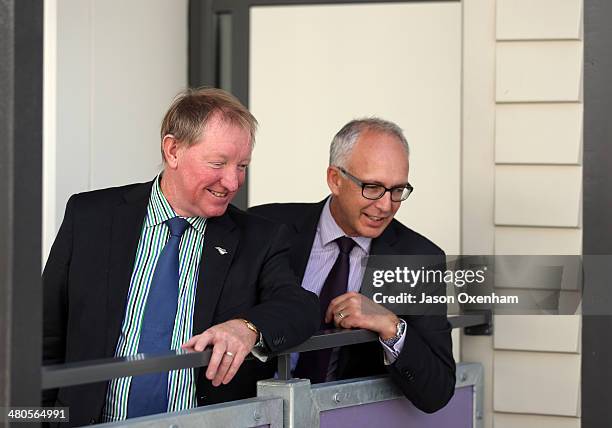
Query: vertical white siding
116, 69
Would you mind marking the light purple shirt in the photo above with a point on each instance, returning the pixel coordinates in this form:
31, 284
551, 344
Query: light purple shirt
320, 262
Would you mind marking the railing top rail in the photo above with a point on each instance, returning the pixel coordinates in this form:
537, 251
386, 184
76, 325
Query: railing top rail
101, 370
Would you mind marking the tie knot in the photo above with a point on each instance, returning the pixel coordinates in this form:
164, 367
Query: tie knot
345, 244
177, 226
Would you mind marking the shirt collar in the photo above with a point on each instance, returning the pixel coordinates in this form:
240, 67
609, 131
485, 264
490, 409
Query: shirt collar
329, 230
159, 210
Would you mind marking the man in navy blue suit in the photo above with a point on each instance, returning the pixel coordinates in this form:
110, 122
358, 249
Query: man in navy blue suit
155, 266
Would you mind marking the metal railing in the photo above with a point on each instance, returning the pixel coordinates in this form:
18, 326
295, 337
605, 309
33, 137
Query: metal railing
91, 371
362, 402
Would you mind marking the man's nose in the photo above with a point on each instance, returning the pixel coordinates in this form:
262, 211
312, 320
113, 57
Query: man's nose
230, 179
385, 204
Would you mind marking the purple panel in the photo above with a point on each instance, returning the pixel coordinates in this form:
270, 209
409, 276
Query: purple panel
458, 413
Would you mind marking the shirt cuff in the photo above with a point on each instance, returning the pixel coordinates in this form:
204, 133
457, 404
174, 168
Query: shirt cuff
391, 354
259, 354
259, 350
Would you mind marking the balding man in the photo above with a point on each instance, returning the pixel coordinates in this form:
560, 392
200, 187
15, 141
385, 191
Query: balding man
368, 180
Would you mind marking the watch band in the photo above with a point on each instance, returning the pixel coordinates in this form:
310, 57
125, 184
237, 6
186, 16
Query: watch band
253, 328
399, 332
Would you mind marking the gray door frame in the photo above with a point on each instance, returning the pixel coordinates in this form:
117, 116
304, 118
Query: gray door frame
21, 76
597, 212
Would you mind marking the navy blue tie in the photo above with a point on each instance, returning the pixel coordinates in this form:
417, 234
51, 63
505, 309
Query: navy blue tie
149, 393
314, 365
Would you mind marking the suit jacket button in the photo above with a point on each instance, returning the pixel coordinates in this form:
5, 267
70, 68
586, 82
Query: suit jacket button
409, 376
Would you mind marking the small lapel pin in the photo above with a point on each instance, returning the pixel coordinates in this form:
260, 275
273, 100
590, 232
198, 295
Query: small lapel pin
221, 251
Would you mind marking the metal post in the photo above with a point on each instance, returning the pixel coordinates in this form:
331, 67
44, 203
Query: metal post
299, 410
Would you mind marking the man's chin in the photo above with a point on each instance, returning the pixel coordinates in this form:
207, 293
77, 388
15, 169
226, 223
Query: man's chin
370, 231
369, 228
215, 212
210, 209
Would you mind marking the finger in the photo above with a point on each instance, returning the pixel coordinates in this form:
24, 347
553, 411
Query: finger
343, 319
203, 341
233, 369
333, 308
197, 342
189, 344
338, 315
343, 298
226, 362
333, 312
215, 359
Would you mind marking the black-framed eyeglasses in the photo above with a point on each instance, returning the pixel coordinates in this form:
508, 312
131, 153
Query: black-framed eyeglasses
375, 191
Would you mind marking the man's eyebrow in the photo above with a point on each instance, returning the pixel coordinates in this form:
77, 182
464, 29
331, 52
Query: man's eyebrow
381, 184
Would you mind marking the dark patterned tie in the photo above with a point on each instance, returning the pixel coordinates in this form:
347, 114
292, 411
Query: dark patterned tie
313, 365
149, 393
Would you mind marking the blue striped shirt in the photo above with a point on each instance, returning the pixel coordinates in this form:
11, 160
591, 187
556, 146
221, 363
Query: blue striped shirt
153, 237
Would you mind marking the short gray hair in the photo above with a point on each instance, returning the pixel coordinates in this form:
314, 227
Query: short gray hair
344, 141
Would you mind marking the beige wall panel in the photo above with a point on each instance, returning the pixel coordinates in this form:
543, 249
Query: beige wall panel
533, 240
478, 163
478, 151
541, 383
507, 420
539, 71
538, 195
538, 133
317, 78
550, 333
540, 19
456, 338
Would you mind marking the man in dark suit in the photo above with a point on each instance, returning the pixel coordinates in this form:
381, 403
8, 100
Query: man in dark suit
142, 268
368, 179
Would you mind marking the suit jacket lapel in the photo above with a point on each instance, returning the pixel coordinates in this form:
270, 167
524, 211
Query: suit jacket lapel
306, 229
126, 228
220, 232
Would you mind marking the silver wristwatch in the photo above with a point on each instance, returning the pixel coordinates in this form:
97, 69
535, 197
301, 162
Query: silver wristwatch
401, 328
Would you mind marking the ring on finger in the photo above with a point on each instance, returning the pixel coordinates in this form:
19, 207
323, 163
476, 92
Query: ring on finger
230, 354
341, 315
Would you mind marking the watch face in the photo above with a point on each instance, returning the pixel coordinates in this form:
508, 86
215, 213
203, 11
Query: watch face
401, 326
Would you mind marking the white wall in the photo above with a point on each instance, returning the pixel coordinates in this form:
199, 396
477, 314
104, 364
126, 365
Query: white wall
111, 70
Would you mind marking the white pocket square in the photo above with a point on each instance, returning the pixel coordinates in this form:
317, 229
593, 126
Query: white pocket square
221, 250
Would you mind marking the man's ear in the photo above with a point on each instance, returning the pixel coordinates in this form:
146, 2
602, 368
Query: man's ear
171, 147
333, 180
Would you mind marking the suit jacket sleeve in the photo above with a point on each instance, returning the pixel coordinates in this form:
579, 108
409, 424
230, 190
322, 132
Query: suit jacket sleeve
55, 301
287, 314
425, 368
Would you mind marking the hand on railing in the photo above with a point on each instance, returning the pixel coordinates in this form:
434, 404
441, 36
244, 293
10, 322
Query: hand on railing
231, 342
